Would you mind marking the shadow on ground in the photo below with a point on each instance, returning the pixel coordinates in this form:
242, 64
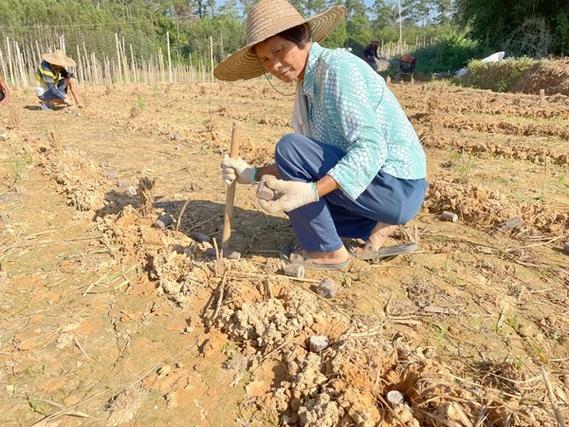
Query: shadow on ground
253, 232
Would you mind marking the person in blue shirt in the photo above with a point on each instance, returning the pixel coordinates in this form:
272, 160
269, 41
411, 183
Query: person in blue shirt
54, 81
354, 167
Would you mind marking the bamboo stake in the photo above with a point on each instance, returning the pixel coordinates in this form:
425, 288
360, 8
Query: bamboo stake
133, 65
10, 64
118, 57
170, 77
230, 196
125, 62
211, 56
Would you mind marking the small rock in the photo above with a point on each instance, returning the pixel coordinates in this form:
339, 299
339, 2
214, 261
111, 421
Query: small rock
210, 252
395, 397
171, 401
234, 255
511, 223
198, 236
127, 188
164, 370
188, 329
449, 216
318, 343
111, 174
3, 137
294, 270
164, 221
4, 279
327, 288
566, 248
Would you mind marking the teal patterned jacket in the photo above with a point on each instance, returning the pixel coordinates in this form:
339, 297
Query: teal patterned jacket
351, 107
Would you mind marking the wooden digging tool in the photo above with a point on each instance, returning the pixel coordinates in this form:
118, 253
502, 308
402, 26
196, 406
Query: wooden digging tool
230, 197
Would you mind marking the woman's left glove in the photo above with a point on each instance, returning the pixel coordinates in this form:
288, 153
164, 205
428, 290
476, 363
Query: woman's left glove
289, 195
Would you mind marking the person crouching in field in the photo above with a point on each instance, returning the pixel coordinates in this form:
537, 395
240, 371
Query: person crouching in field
54, 81
4, 92
354, 166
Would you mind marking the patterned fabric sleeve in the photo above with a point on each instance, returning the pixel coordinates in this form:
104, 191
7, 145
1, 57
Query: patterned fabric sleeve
350, 106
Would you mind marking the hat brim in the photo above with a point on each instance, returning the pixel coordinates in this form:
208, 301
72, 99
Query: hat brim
62, 62
244, 64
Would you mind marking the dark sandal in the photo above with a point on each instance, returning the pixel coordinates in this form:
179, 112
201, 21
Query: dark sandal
389, 252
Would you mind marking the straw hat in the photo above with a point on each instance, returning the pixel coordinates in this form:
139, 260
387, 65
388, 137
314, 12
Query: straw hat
266, 19
59, 58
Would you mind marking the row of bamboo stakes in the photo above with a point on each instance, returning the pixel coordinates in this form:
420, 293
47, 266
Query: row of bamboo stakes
18, 64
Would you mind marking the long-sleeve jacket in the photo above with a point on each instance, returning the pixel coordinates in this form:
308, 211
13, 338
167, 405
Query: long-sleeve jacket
49, 79
351, 107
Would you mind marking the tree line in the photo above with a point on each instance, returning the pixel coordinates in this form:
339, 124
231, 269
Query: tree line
522, 27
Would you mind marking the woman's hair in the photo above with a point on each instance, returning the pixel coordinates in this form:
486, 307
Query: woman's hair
300, 35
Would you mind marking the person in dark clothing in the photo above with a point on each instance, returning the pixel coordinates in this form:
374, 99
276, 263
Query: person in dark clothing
4, 92
370, 54
54, 81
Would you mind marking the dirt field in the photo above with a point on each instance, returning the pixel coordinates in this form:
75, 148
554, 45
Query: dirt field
107, 320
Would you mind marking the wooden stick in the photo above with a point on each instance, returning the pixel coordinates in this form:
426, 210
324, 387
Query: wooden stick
230, 197
552, 398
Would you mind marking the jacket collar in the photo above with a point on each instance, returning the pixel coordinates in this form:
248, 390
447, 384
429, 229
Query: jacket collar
311, 64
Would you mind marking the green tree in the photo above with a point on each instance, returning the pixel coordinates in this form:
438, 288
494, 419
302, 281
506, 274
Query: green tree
530, 27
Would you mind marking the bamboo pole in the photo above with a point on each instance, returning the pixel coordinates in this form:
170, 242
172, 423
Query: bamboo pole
125, 62
10, 63
211, 56
170, 76
133, 64
118, 58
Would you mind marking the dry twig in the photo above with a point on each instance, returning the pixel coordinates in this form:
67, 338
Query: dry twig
552, 398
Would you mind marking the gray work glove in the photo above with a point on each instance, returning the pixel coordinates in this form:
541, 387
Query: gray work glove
239, 169
288, 195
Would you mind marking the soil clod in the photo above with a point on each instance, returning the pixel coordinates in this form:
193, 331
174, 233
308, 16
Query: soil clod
294, 270
318, 343
449, 216
327, 288
164, 221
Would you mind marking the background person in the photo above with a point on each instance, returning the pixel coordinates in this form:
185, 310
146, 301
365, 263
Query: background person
54, 81
4, 92
370, 54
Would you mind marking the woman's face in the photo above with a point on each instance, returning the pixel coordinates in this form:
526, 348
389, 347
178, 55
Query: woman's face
283, 58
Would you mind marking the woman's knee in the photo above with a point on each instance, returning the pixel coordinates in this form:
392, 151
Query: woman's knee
286, 149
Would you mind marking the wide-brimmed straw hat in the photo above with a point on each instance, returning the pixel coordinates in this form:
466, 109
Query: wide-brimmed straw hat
269, 18
59, 58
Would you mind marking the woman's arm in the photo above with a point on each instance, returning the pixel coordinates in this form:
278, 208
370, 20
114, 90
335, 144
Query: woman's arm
326, 185
267, 170
351, 108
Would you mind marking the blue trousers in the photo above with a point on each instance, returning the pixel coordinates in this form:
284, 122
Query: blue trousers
319, 226
55, 92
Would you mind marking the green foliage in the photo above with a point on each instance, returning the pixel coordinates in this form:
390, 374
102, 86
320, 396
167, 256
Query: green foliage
451, 51
337, 38
525, 27
497, 76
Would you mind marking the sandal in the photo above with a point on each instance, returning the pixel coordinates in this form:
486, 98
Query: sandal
386, 253
308, 264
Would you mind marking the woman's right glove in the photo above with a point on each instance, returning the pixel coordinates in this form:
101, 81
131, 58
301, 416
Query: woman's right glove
239, 169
